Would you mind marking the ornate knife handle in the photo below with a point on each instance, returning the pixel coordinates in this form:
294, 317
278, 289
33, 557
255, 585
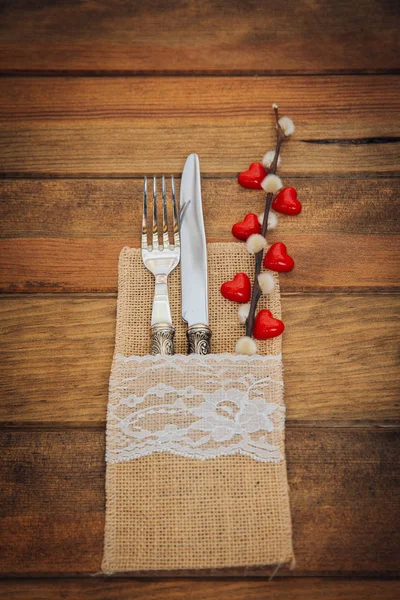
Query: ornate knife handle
199, 339
162, 339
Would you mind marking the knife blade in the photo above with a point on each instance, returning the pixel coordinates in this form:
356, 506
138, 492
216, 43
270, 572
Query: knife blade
194, 259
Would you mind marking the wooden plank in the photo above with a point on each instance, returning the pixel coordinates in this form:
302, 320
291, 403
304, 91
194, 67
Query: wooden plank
126, 126
52, 501
344, 501
49, 226
340, 356
312, 588
111, 208
212, 37
339, 262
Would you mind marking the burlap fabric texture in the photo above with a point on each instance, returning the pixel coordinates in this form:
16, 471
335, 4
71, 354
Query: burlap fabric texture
196, 471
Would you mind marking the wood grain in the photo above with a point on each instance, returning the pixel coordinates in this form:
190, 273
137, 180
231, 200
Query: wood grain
65, 235
111, 208
310, 588
214, 36
52, 501
342, 483
56, 357
340, 262
126, 126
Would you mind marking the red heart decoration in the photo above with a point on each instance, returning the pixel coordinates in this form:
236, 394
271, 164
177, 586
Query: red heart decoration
247, 227
277, 258
238, 290
286, 202
253, 177
265, 326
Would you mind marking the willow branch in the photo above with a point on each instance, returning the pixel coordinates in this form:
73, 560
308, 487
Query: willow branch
256, 291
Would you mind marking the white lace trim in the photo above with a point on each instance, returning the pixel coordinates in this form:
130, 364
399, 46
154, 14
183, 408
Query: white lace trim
196, 406
202, 359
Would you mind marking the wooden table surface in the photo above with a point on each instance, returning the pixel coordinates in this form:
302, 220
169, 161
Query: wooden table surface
92, 96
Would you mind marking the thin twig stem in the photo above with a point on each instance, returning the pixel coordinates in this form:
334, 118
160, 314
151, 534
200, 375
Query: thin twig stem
256, 291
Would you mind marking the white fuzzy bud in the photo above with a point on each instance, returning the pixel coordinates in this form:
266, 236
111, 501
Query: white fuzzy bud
255, 243
287, 125
246, 345
274, 106
266, 282
243, 313
268, 159
272, 220
271, 183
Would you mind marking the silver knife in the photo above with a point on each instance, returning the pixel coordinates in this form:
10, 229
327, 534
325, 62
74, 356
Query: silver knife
194, 259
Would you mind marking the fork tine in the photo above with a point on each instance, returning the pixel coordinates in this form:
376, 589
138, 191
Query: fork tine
165, 214
175, 219
155, 228
144, 218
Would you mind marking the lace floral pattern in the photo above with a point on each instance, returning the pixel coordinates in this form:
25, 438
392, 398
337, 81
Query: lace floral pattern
196, 406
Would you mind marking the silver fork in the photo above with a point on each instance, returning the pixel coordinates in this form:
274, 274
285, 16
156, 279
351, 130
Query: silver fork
161, 260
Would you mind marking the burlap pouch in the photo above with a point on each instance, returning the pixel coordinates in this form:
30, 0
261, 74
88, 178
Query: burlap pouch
196, 471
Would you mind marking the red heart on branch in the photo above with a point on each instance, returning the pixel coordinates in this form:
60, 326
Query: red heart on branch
286, 202
238, 290
247, 227
277, 258
266, 326
253, 177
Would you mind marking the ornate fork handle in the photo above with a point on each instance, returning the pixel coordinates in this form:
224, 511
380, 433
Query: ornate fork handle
162, 339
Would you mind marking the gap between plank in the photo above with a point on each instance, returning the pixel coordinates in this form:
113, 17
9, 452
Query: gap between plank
366, 425
194, 73
113, 295
120, 176
354, 141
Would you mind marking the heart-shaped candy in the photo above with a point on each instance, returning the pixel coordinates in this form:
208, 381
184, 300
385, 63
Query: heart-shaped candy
277, 258
238, 290
286, 202
253, 177
247, 227
265, 326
